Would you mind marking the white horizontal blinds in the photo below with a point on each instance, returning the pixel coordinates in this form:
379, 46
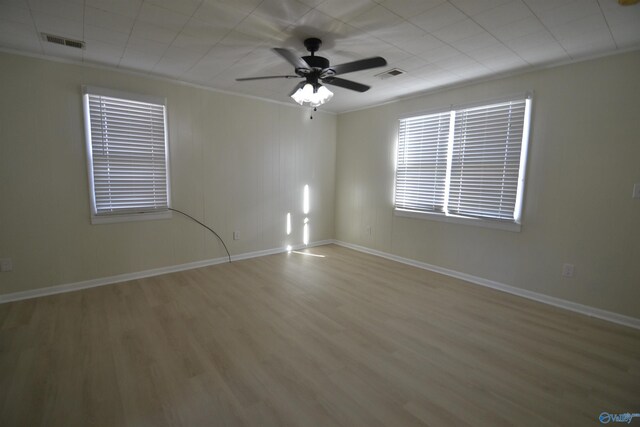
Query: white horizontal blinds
485, 161
422, 162
128, 155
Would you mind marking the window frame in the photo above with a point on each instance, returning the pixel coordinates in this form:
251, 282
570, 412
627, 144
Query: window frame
516, 224
127, 216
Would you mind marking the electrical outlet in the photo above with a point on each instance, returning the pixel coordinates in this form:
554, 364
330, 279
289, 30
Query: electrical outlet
236, 235
567, 270
636, 191
6, 264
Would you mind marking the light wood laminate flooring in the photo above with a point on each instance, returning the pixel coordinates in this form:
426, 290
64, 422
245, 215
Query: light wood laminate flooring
342, 339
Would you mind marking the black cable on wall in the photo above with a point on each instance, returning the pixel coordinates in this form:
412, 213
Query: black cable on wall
208, 228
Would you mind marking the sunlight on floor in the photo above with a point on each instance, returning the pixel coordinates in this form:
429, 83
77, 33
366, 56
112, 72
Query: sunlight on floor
307, 253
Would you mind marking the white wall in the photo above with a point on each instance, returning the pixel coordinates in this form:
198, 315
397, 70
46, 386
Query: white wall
583, 161
236, 163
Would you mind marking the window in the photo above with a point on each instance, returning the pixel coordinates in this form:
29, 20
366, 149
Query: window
126, 138
464, 164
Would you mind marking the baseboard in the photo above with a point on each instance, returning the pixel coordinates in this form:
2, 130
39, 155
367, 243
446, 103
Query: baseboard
546, 299
85, 284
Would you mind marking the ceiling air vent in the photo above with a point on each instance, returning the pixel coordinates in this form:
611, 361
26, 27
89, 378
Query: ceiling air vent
390, 73
63, 41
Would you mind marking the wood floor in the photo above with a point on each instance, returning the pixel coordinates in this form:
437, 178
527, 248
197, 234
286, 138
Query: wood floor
346, 339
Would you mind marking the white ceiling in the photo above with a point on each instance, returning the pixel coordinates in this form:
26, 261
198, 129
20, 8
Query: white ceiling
212, 42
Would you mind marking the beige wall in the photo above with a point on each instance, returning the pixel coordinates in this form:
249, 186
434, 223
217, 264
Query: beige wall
584, 158
238, 163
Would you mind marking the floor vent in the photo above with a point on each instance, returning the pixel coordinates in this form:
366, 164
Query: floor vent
63, 41
390, 73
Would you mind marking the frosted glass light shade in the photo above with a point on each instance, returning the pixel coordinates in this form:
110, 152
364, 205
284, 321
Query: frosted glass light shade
306, 94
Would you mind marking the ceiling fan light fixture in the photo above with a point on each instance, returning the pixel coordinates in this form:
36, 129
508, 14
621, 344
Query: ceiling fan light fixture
314, 96
321, 95
303, 94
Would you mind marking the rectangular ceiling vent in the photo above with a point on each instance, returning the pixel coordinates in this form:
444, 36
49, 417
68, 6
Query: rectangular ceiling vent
63, 41
390, 73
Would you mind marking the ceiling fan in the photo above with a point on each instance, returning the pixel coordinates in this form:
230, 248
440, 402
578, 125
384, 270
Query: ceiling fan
316, 70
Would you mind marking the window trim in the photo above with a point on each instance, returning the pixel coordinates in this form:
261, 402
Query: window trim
507, 225
114, 217
130, 217
456, 219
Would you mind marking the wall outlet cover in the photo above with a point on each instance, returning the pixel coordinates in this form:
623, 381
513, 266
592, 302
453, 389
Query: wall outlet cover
567, 270
6, 264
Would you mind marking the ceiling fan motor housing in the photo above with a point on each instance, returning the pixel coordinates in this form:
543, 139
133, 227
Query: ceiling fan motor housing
316, 62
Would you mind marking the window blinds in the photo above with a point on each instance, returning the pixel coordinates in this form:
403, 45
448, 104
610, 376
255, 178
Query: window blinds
485, 162
422, 162
464, 162
128, 155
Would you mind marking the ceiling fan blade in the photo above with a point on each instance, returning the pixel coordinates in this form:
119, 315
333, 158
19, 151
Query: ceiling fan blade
244, 79
347, 84
362, 64
298, 86
292, 58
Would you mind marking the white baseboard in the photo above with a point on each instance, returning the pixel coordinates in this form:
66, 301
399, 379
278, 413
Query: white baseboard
546, 299
85, 284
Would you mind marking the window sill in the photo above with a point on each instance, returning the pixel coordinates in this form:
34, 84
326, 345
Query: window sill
130, 217
499, 225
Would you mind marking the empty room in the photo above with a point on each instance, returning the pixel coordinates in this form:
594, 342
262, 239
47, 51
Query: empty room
319, 213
